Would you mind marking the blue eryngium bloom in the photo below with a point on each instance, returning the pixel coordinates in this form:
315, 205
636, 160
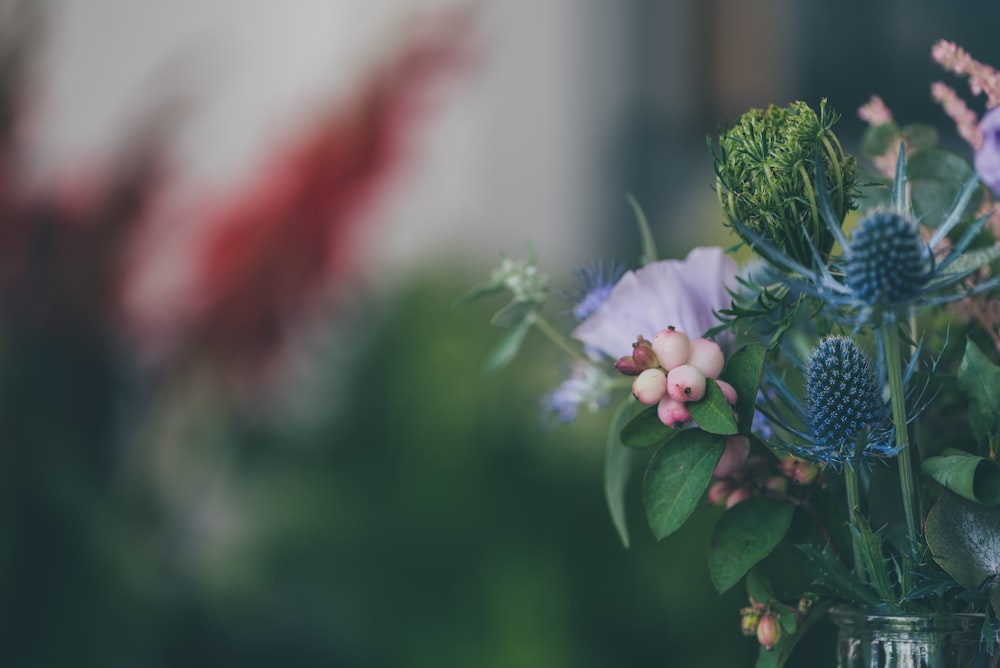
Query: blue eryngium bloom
887, 270
594, 284
886, 261
844, 419
843, 403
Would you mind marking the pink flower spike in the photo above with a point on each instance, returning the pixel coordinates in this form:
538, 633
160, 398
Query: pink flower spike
683, 293
874, 112
983, 79
964, 118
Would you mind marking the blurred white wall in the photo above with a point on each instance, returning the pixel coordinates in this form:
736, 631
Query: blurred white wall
513, 152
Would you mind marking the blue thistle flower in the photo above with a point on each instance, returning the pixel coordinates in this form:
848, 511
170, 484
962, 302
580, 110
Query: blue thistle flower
842, 398
594, 283
887, 269
843, 417
886, 261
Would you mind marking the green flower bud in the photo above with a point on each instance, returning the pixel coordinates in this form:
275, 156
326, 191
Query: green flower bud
765, 177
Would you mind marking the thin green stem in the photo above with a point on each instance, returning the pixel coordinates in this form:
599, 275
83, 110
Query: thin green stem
890, 347
556, 337
853, 507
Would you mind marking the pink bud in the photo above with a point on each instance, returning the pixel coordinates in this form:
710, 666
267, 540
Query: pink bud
685, 383
728, 391
739, 495
650, 386
707, 356
627, 366
642, 353
671, 347
733, 457
749, 621
801, 471
768, 631
719, 492
673, 413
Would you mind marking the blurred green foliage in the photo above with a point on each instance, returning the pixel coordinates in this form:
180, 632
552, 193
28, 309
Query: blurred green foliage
418, 515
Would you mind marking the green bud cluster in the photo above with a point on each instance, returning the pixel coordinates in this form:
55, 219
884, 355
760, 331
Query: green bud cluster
765, 177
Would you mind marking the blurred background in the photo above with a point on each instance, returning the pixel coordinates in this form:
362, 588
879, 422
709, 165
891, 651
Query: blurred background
241, 423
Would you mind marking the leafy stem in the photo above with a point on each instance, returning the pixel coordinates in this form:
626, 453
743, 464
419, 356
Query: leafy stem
556, 337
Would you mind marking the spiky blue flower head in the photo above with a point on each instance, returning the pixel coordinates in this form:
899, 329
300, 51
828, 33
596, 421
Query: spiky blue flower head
886, 263
594, 284
842, 399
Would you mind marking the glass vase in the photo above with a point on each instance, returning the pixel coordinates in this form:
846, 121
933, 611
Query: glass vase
897, 640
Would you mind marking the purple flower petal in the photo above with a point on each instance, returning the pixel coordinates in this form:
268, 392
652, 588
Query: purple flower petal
682, 293
988, 156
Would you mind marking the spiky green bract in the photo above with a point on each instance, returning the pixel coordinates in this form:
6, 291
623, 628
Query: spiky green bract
765, 176
842, 398
886, 261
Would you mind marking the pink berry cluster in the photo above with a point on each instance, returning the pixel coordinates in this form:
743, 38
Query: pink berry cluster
739, 476
673, 370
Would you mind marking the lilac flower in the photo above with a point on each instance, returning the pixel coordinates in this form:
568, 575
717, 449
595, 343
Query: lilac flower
988, 155
683, 293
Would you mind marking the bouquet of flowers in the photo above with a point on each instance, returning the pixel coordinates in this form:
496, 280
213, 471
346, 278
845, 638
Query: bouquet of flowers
838, 395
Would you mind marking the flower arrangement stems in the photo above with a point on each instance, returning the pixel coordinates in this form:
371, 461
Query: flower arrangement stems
853, 507
556, 337
890, 347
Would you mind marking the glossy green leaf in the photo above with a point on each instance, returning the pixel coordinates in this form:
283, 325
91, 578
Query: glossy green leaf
971, 477
964, 539
676, 478
507, 348
758, 587
743, 372
831, 574
712, 412
645, 430
880, 139
935, 178
744, 535
979, 379
618, 469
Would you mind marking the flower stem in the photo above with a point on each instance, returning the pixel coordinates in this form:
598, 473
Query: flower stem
853, 508
890, 346
553, 335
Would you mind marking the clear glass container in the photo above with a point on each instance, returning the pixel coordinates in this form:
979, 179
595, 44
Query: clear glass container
931, 640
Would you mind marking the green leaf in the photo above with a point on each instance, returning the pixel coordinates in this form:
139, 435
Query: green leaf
478, 292
507, 348
743, 372
645, 430
935, 177
878, 139
971, 477
676, 477
834, 576
920, 137
618, 469
513, 314
964, 539
979, 379
758, 588
649, 253
712, 412
744, 535
973, 260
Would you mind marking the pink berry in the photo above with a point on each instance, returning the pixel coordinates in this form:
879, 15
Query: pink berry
673, 413
719, 492
671, 347
728, 391
650, 386
739, 495
733, 457
686, 383
707, 356
768, 631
